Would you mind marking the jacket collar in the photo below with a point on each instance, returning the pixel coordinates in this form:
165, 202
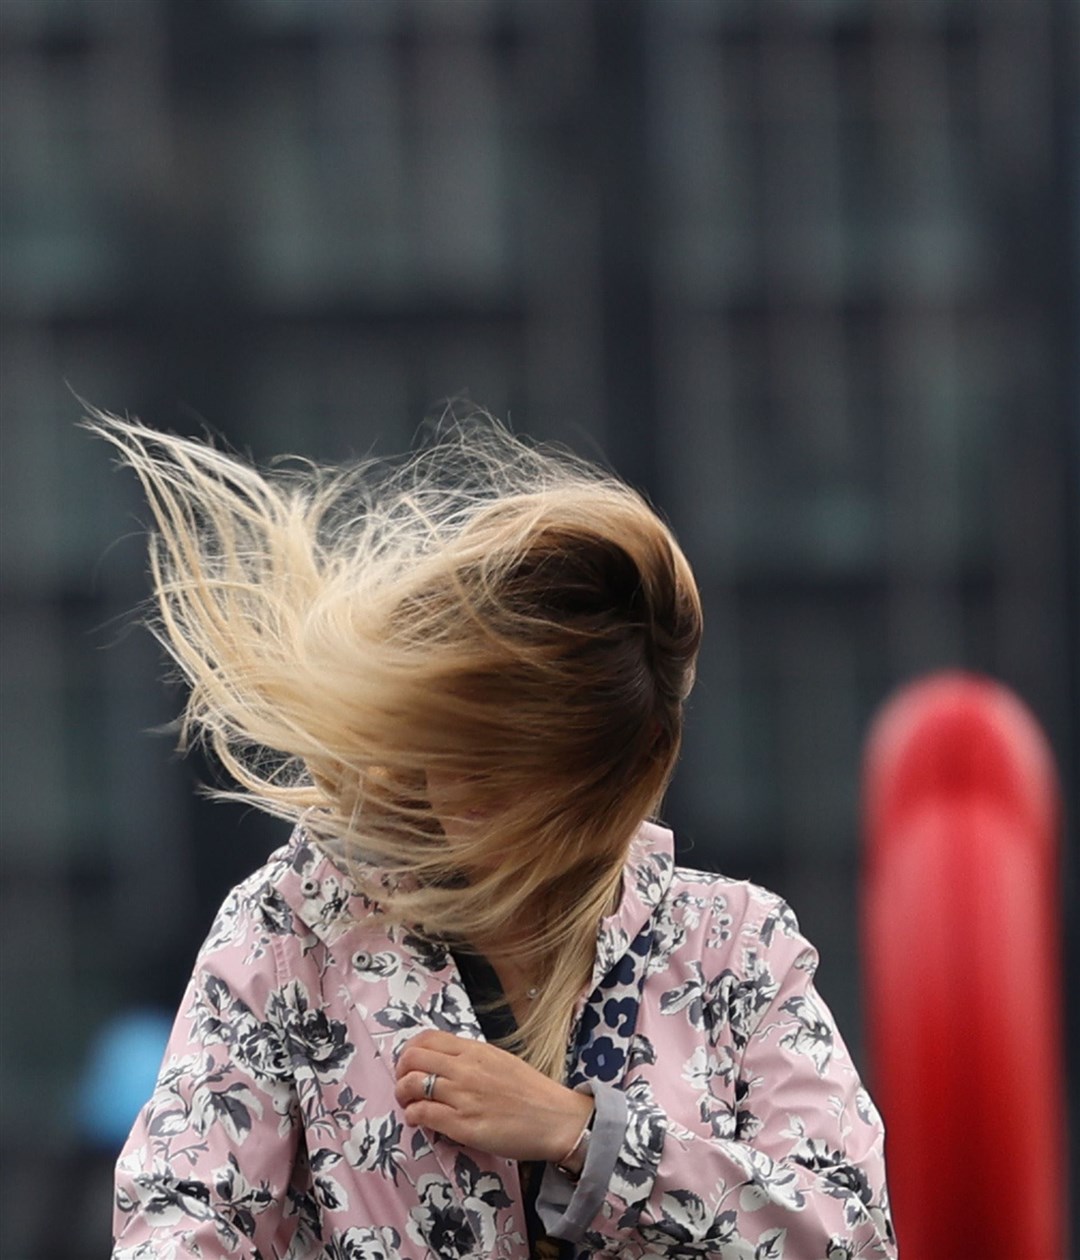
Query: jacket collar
326, 900
403, 984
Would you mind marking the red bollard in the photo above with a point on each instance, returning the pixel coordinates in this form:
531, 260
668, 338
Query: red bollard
962, 969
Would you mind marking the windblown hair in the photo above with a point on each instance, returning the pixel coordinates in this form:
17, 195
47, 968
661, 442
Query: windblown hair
503, 621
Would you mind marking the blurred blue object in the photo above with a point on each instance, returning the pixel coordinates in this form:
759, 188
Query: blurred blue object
119, 1075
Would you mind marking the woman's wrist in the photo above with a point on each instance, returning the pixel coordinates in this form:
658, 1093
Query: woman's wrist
570, 1158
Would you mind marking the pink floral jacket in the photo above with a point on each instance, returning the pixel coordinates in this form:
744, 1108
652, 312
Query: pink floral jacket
273, 1133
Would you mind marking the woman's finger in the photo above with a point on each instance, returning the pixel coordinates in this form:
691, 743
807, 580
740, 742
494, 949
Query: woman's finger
414, 1087
416, 1058
444, 1042
426, 1114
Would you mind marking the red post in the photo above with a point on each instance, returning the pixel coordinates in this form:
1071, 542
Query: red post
962, 953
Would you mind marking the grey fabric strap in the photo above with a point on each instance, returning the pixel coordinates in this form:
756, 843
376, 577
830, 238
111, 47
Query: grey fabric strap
567, 1207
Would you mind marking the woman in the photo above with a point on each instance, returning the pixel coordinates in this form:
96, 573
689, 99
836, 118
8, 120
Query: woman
472, 1009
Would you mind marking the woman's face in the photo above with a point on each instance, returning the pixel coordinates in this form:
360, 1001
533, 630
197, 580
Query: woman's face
460, 814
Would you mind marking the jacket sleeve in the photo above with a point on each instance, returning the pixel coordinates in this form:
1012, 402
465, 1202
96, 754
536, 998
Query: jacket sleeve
803, 1172
207, 1168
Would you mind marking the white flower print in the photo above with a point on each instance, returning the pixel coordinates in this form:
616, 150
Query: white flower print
698, 1070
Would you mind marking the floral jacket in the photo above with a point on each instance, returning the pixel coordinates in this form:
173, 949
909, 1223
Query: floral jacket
273, 1132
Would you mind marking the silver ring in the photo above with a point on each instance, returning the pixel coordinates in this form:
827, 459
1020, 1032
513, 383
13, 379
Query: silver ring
429, 1085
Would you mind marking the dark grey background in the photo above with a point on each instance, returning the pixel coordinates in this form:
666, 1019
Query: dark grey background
806, 271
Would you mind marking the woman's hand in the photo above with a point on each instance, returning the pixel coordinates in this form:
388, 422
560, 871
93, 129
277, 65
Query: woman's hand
489, 1099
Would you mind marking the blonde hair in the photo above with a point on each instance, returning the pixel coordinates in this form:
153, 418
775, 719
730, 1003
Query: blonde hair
503, 618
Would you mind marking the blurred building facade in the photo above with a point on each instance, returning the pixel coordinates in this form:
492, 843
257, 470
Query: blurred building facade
807, 273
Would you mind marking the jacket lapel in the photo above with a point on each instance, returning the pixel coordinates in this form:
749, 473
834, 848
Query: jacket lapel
603, 1044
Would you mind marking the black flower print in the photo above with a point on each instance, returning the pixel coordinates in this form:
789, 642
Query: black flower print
238, 1203
313, 1040
176, 1111
669, 937
811, 1035
255, 1047
483, 1195
688, 998
325, 895
327, 1191
719, 923
431, 955
781, 917
611, 946
439, 1221
642, 1052
230, 925
232, 1107
142, 1251
218, 1015
319, 1041
374, 1143
684, 1215
274, 911
260, 1052
698, 1233
770, 1245
747, 1124
740, 1000
867, 1110
484, 1187
302, 854
717, 1113
347, 1106
168, 1200
845, 1182
304, 1208
722, 1053
641, 1149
